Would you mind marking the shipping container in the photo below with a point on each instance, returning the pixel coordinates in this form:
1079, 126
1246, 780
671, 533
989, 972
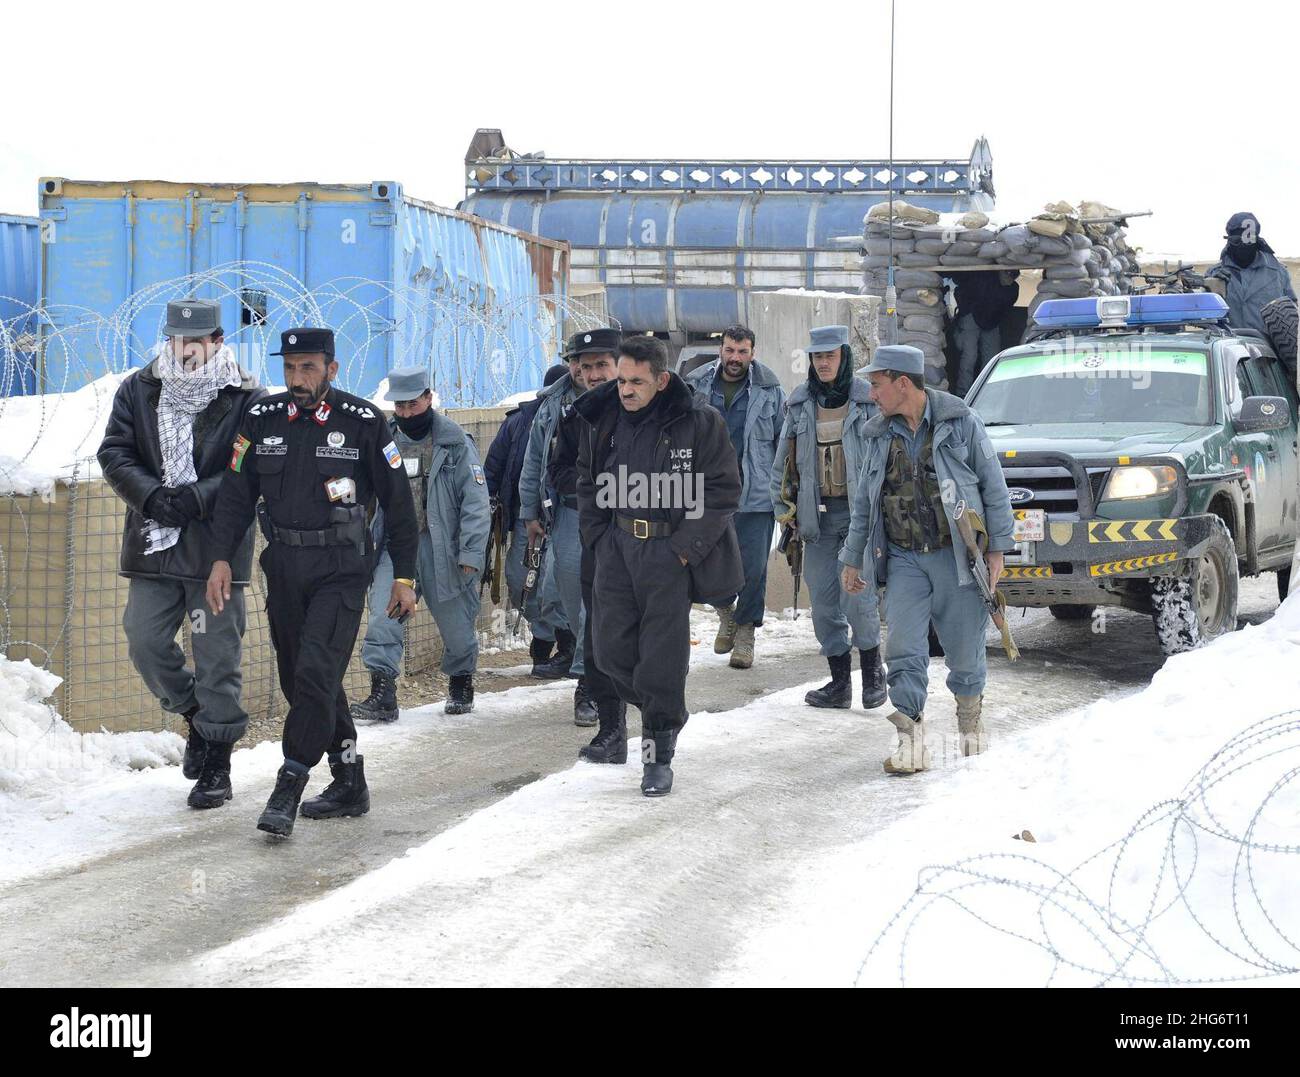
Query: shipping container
19, 290
401, 281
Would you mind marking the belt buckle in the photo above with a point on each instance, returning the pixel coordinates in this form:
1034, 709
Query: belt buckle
641, 529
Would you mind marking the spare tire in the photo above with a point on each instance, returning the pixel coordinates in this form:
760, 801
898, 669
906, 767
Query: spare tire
1280, 321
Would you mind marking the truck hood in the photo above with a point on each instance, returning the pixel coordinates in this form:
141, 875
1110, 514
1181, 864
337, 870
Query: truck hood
1099, 439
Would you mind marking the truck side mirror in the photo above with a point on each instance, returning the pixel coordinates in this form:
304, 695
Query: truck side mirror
1260, 413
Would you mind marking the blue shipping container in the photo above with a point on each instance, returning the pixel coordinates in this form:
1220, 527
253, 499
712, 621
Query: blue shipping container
19, 289
400, 281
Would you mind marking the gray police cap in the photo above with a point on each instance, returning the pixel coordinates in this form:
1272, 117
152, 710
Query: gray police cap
902, 358
407, 383
826, 338
192, 318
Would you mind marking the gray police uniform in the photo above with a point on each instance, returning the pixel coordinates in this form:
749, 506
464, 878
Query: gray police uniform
455, 518
829, 454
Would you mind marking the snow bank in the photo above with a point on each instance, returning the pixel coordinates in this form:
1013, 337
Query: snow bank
42, 438
1165, 847
41, 755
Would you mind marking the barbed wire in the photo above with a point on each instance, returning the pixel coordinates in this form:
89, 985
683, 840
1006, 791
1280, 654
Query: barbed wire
1162, 884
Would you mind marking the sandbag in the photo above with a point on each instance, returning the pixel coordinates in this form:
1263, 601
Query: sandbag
1066, 289
1017, 239
1050, 245
878, 245
903, 211
917, 259
1065, 273
977, 235
1043, 227
933, 247
925, 297
921, 323
992, 250
973, 219
933, 340
917, 278
961, 260
963, 246
1079, 241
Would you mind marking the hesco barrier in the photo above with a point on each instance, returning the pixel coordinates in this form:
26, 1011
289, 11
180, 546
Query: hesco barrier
61, 603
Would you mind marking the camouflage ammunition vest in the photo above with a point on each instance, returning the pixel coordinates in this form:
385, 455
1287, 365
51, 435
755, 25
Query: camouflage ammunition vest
910, 499
832, 475
417, 456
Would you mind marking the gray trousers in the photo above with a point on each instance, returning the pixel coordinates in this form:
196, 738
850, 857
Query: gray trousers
840, 620
567, 546
456, 618
155, 609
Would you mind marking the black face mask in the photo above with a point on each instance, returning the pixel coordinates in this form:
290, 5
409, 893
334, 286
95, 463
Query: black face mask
416, 427
1242, 253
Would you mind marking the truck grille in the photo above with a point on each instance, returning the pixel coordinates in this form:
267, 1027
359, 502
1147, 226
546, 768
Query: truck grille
1053, 487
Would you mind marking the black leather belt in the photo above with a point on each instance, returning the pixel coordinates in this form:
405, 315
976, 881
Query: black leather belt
333, 536
643, 529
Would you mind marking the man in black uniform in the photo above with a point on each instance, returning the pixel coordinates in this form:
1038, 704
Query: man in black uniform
596, 363
318, 458
658, 484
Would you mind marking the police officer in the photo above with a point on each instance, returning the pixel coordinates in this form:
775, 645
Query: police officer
596, 351
657, 487
596, 701
1248, 274
318, 458
928, 458
817, 468
454, 519
537, 506
750, 399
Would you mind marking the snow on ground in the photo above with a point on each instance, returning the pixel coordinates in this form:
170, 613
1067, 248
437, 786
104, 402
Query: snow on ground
43, 437
1134, 844
511, 894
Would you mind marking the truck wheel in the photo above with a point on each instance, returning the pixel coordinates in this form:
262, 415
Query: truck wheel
1202, 604
1071, 613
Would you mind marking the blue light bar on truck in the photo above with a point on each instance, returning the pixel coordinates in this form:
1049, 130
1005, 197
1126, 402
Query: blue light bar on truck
1118, 311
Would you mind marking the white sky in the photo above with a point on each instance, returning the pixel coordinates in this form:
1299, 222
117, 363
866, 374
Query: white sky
1184, 108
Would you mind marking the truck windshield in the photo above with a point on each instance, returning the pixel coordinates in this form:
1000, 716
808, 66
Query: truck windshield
1122, 384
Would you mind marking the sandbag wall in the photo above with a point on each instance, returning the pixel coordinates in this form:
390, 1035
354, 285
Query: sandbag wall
1080, 252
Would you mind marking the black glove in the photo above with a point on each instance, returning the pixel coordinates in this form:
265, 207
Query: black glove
161, 508
186, 501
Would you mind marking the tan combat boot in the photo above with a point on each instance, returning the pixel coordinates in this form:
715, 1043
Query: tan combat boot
742, 654
726, 637
970, 729
911, 755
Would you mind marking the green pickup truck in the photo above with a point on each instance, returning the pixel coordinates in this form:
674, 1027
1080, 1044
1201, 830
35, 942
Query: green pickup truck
1151, 456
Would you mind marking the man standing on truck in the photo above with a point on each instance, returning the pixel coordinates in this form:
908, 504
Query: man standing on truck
1248, 275
928, 459
751, 401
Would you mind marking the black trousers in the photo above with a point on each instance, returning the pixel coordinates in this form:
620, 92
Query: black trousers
599, 686
314, 600
642, 625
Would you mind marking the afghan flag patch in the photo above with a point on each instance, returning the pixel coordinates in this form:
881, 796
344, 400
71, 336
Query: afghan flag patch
237, 457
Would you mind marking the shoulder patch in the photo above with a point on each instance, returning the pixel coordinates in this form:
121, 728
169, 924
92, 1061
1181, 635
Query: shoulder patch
393, 457
478, 473
239, 450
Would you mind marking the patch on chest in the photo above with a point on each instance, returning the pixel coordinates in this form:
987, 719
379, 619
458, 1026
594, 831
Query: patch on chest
681, 459
331, 452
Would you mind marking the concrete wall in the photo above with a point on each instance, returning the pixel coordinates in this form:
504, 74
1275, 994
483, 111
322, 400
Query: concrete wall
781, 321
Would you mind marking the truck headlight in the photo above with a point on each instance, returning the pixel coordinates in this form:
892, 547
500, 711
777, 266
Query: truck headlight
1132, 482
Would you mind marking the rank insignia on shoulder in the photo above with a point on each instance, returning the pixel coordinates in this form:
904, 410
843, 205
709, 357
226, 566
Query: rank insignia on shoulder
323, 414
237, 455
478, 473
391, 454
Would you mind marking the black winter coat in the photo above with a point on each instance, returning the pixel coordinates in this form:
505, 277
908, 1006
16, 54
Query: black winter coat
709, 542
505, 459
131, 459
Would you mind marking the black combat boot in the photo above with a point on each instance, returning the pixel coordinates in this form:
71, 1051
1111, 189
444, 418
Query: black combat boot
460, 695
282, 808
347, 794
609, 745
838, 692
539, 651
195, 746
584, 707
558, 665
873, 679
381, 704
656, 755
213, 787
